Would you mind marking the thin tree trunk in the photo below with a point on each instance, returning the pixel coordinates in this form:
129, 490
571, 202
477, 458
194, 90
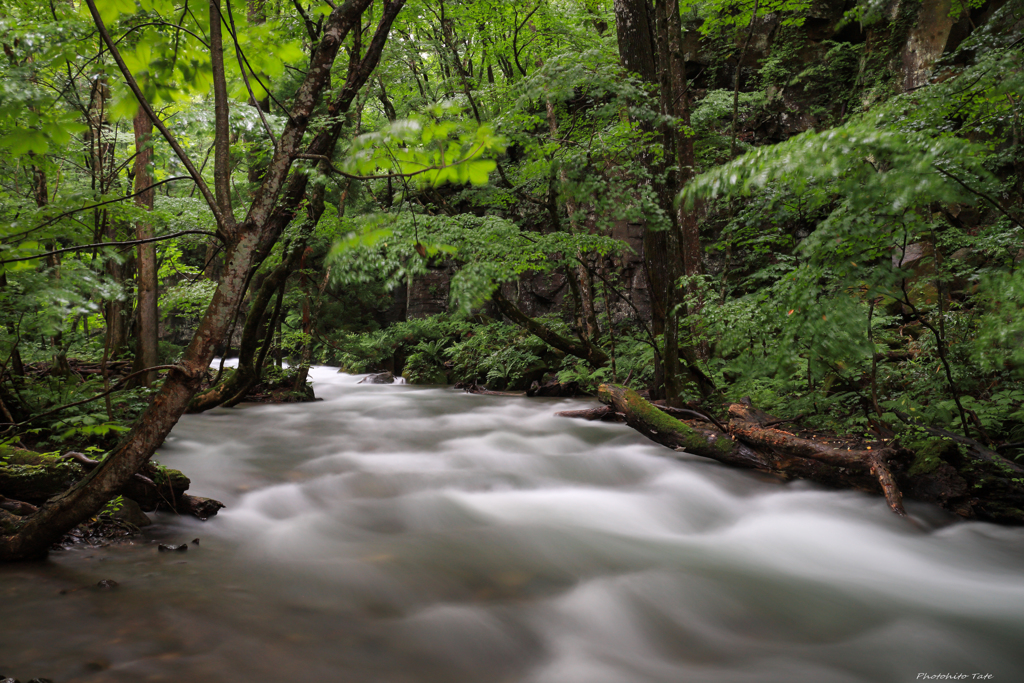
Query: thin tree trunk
147, 340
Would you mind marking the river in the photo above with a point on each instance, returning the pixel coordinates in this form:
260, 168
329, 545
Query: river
405, 534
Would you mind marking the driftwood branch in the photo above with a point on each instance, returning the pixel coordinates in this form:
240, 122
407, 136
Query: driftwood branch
934, 465
751, 442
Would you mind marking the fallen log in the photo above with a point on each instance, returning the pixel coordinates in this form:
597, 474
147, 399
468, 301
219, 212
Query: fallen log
604, 414
955, 473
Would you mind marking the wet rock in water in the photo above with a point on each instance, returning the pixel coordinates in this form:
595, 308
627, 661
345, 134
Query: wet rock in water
40, 680
155, 487
4, 679
131, 513
378, 378
107, 583
167, 548
200, 507
195, 541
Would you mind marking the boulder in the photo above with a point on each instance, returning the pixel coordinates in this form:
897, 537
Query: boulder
131, 513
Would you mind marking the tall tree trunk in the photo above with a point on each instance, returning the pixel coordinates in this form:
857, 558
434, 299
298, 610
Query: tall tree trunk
101, 165
309, 319
147, 342
650, 45
40, 194
583, 283
635, 27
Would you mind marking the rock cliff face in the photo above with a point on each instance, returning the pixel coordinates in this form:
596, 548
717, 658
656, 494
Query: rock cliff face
909, 42
926, 42
428, 294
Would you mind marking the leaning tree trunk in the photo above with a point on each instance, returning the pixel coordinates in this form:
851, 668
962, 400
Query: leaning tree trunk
31, 536
24, 537
951, 471
584, 348
232, 390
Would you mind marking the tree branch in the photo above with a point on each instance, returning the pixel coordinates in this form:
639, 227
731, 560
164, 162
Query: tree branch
117, 387
125, 243
144, 103
94, 206
978, 193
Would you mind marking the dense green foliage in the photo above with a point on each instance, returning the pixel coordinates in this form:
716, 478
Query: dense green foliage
861, 252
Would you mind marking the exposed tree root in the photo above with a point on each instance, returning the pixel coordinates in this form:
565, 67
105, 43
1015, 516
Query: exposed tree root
956, 473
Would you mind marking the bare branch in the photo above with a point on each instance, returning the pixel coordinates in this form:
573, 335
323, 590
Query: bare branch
56, 218
97, 245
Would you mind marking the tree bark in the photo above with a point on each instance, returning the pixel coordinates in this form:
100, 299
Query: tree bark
147, 340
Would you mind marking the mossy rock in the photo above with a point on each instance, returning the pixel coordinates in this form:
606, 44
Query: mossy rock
34, 477
170, 484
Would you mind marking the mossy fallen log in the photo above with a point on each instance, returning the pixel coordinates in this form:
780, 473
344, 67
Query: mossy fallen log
955, 473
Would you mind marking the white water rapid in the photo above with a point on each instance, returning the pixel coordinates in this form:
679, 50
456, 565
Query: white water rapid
399, 534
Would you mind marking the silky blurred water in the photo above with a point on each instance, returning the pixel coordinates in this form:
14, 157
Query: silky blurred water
394, 533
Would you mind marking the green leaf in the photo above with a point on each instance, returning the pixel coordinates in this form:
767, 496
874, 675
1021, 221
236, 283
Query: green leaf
479, 171
25, 141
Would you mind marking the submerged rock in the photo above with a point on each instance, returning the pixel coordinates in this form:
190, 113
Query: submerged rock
378, 378
167, 548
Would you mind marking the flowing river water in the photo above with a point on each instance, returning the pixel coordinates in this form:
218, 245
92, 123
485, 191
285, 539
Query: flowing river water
421, 535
